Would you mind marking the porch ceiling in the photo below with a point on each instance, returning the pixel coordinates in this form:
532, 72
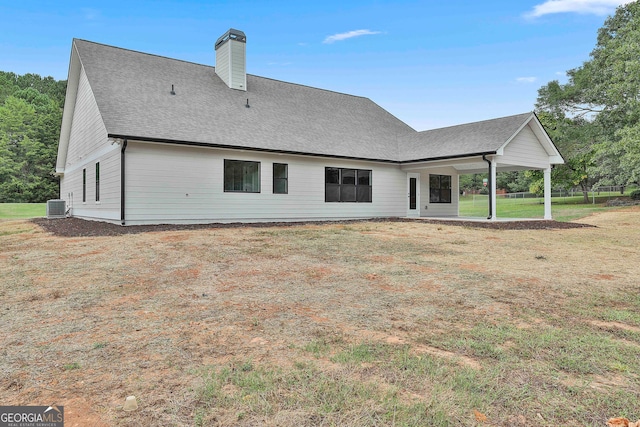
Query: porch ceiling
469, 165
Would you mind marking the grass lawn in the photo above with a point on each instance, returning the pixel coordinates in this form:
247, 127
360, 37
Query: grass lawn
358, 324
562, 208
22, 210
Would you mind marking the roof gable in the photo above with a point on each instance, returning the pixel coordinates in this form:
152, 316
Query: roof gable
541, 135
69, 106
484, 137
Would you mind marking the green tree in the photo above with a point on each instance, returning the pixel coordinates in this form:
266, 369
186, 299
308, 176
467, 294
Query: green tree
471, 182
576, 139
29, 131
55, 89
591, 117
7, 85
514, 181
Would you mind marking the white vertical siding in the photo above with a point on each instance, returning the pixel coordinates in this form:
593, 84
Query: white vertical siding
171, 184
429, 209
525, 150
88, 145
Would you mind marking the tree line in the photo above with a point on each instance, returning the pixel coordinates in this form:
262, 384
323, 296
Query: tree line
30, 119
593, 118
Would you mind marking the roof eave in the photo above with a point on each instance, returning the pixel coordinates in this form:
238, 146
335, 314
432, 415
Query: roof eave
296, 153
73, 79
244, 148
451, 157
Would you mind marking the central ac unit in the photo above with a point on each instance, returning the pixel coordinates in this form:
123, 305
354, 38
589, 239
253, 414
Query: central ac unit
56, 208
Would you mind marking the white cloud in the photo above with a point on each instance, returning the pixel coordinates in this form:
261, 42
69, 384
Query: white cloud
349, 35
595, 7
526, 79
91, 14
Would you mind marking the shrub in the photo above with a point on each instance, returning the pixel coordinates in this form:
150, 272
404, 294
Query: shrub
635, 194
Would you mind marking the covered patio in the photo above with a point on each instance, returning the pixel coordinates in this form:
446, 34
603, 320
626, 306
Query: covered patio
507, 144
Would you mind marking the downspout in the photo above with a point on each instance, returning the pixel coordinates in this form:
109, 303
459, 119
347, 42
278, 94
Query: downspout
122, 180
489, 185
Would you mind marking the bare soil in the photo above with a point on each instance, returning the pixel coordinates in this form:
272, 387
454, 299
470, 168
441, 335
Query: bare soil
74, 227
93, 312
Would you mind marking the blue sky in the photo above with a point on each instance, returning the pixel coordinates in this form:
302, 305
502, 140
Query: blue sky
430, 63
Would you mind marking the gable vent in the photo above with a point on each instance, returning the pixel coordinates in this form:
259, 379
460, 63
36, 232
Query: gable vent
231, 64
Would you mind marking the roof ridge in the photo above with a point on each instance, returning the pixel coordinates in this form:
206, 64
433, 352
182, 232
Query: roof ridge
142, 53
310, 87
212, 66
478, 121
338, 93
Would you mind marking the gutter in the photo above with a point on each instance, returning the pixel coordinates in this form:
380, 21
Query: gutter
122, 180
236, 147
294, 153
450, 157
490, 185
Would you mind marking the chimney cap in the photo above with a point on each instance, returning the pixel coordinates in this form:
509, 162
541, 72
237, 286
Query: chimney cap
232, 34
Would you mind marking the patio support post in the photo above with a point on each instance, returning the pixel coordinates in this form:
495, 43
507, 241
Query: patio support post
492, 189
547, 193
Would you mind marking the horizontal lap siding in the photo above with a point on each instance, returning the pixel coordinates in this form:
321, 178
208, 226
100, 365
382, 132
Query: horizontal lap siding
88, 145
88, 133
185, 184
525, 150
108, 207
439, 209
163, 184
238, 74
71, 187
222, 63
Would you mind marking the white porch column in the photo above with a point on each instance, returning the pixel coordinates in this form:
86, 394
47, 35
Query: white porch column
547, 193
493, 188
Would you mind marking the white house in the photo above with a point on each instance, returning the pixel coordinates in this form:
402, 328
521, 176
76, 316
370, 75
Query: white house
148, 140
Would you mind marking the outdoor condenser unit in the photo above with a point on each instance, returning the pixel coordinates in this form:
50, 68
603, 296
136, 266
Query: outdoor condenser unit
56, 208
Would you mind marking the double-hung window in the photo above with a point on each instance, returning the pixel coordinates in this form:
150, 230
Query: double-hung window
439, 188
241, 176
347, 185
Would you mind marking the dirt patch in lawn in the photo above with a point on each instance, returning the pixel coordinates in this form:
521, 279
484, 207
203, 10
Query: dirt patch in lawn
94, 312
615, 325
74, 227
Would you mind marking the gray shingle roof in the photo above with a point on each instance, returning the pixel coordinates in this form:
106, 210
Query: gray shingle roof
471, 138
132, 90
